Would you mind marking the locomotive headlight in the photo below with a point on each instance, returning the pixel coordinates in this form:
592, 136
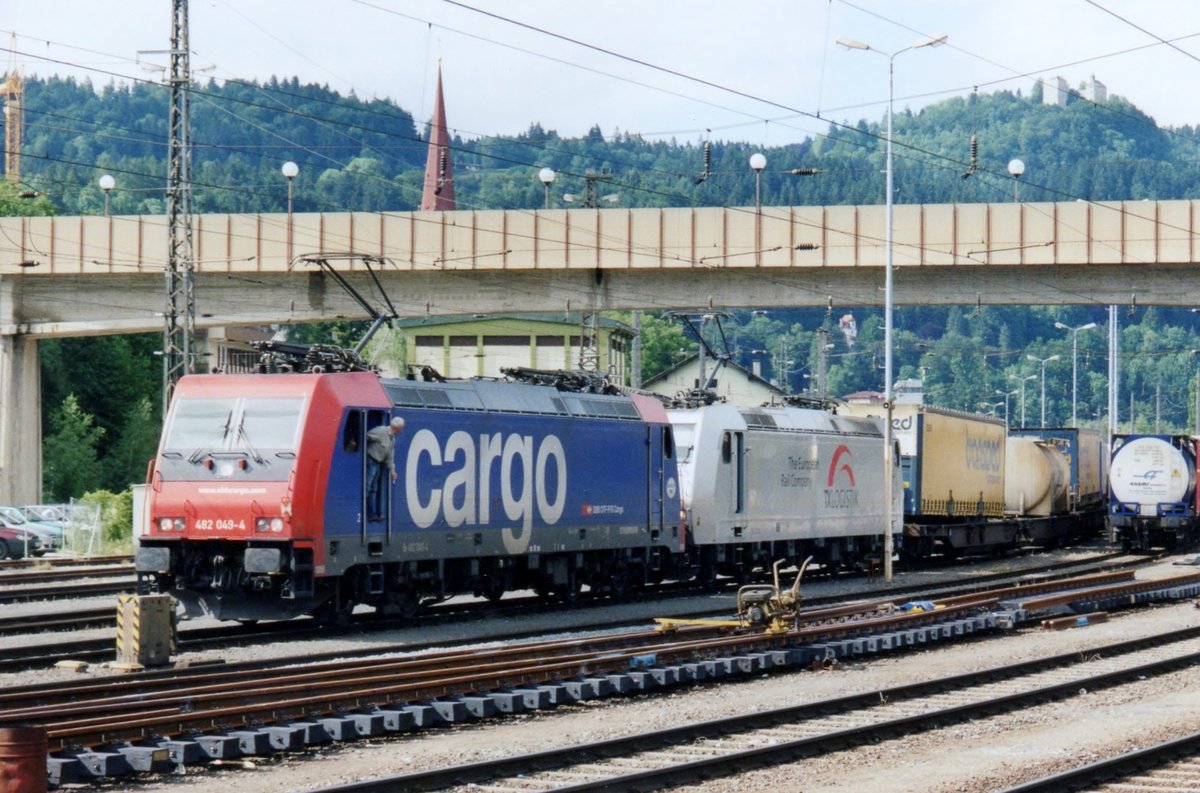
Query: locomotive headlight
264, 524
225, 469
171, 524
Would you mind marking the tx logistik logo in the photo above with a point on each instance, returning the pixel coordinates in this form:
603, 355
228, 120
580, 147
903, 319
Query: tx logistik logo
841, 497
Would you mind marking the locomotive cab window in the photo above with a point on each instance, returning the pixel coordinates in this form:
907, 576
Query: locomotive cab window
228, 423
352, 433
668, 443
726, 447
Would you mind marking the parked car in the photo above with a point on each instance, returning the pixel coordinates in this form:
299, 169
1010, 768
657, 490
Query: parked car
51, 536
49, 514
14, 541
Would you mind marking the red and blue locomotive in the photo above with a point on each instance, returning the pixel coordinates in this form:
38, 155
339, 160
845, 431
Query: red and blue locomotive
258, 496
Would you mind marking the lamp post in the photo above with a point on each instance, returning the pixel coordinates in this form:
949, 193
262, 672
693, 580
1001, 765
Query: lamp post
1016, 168
290, 171
1023, 380
1006, 395
1043, 362
888, 451
758, 161
107, 183
547, 176
1074, 364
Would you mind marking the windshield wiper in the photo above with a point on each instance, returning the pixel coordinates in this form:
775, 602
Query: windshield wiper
241, 435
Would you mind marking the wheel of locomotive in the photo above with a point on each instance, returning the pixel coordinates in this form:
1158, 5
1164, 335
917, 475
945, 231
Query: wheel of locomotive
706, 576
619, 584
338, 609
493, 588
5, 551
408, 605
569, 592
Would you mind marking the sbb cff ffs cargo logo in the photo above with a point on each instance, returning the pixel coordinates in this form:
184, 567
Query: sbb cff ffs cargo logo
842, 497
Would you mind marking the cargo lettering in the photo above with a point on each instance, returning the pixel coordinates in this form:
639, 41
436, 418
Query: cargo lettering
983, 454
465, 497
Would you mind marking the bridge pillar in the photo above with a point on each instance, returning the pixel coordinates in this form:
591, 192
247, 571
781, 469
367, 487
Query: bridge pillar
20, 410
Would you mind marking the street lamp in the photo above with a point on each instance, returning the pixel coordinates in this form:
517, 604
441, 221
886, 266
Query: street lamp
290, 171
1016, 168
758, 161
888, 433
547, 176
1074, 363
1006, 395
1043, 362
1023, 381
107, 183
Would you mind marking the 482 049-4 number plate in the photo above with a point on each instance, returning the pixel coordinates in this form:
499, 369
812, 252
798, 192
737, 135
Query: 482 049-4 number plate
220, 524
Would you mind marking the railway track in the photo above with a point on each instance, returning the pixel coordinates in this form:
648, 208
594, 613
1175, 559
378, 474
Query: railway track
303, 704
47, 562
704, 750
13, 658
1168, 766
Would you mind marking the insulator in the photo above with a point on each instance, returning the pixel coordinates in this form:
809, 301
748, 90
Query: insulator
707, 158
974, 156
442, 163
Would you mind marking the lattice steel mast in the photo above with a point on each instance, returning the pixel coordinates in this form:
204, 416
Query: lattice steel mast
179, 313
14, 96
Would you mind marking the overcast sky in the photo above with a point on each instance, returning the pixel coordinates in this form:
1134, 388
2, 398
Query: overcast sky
756, 71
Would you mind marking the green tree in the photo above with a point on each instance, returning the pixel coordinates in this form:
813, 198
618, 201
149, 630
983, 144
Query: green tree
71, 464
135, 446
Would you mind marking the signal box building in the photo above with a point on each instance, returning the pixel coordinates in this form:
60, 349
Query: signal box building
471, 347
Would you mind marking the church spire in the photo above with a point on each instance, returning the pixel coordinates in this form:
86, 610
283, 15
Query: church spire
438, 192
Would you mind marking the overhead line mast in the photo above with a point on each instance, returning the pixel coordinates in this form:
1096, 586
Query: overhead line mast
179, 312
14, 90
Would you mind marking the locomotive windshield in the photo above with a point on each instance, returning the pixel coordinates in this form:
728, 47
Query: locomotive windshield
232, 423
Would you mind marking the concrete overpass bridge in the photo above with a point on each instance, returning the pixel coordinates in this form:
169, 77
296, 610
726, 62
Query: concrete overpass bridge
73, 276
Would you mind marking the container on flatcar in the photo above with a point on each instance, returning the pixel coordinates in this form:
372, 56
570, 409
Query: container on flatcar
1088, 455
753, 477
953, 461
1037, 477
1152, 489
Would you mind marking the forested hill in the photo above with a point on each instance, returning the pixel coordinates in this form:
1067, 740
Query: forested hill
369, 155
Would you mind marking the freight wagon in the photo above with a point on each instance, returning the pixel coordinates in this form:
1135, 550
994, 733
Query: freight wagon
1152, 491
953, 472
